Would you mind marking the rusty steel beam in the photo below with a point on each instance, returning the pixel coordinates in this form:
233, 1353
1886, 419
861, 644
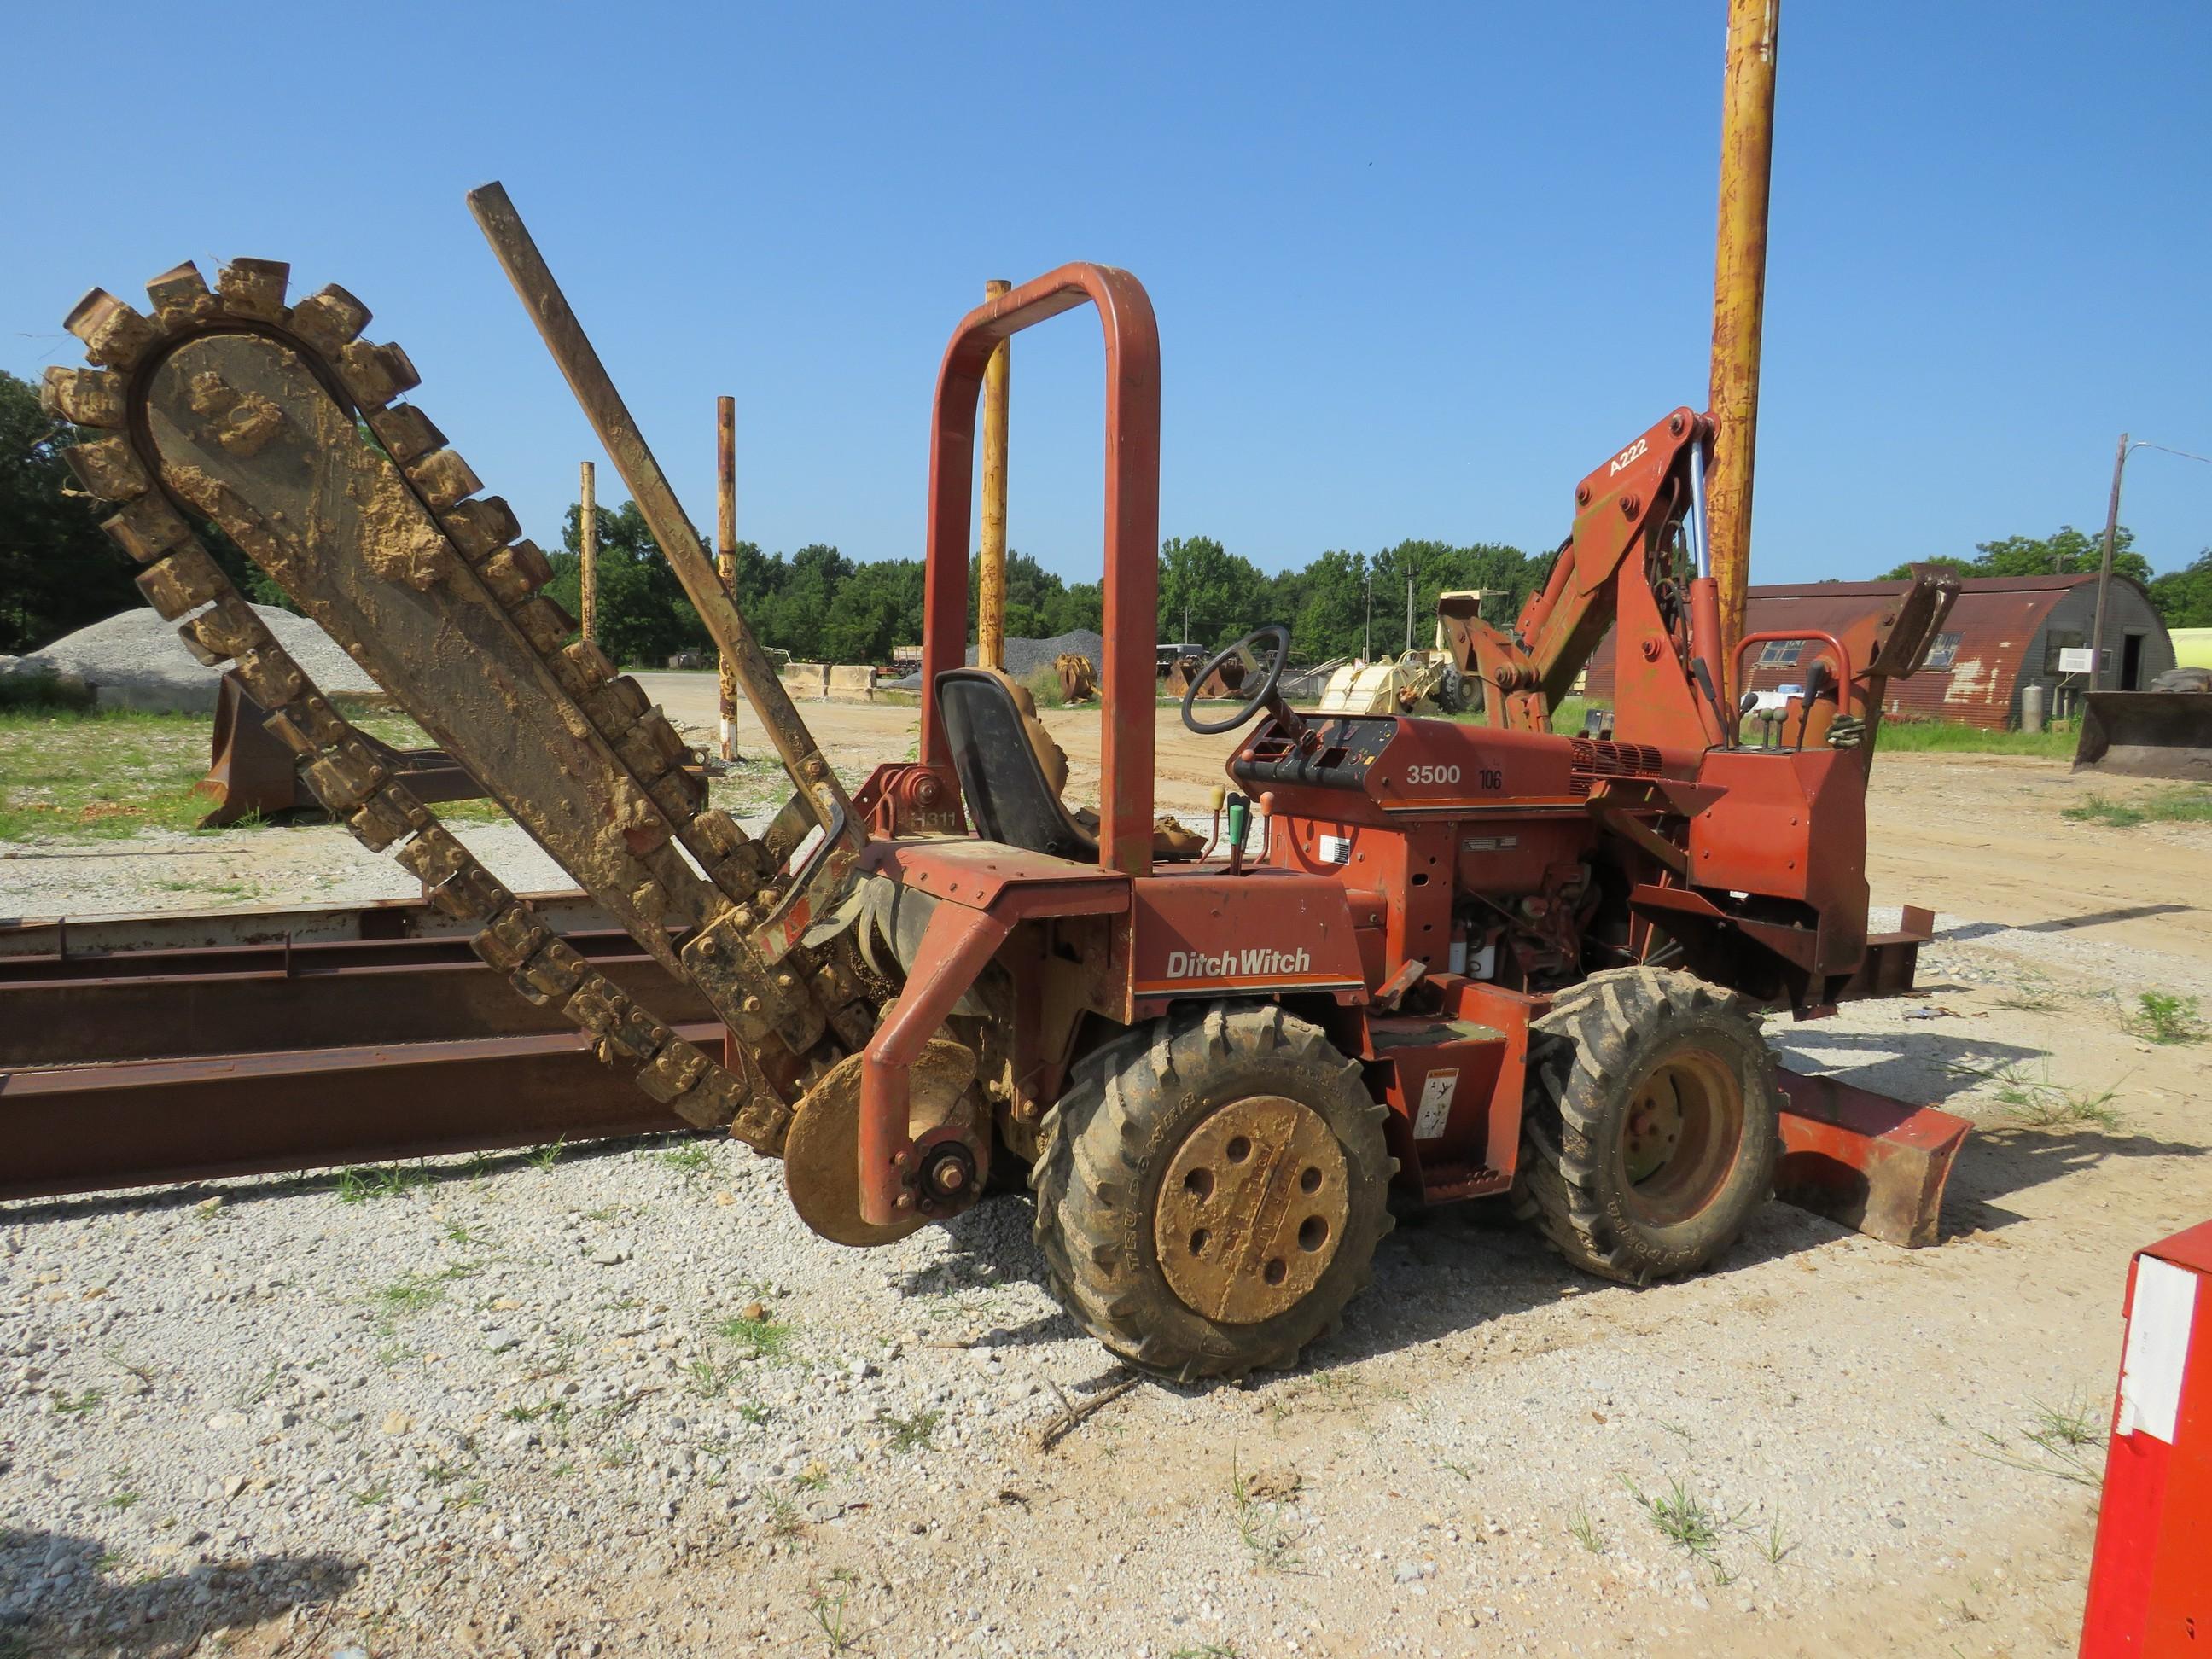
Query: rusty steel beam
148, 1004
568, 910
1740, 302
95, 1127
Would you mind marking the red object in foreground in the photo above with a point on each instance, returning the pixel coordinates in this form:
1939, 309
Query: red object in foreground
2150, 1586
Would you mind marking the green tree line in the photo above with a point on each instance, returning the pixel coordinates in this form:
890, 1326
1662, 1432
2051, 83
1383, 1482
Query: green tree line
824, 607
59, 572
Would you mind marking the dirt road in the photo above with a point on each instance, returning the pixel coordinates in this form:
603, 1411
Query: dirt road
1825, 1447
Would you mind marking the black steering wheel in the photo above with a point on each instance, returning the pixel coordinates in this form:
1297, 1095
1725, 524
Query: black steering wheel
1259, 699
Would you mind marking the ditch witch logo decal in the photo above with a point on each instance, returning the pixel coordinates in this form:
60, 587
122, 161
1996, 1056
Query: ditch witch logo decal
1237, 964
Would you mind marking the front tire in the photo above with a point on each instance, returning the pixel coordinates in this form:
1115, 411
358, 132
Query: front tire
1651, 1126
1210, 1190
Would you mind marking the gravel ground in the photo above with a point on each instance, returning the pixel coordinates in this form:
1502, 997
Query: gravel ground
617, 1400
136, 661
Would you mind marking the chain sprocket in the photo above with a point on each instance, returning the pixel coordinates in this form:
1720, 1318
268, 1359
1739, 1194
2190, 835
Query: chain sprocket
279, 425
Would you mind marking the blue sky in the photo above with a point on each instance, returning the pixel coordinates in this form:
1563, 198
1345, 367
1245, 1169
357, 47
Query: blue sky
1418, 269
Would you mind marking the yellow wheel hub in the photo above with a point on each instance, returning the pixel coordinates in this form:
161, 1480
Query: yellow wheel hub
1252, 1209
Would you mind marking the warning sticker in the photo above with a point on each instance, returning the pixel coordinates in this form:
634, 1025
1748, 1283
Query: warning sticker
1437, 1094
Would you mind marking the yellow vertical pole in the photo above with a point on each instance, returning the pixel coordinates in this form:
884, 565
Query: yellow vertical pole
1740, 302
991, 580
726, 552
587, 573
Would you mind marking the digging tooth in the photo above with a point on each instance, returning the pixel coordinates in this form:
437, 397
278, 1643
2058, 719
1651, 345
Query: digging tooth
114, 336
444, 478
589, 663
550, 974
108, 469
82, 397
375, 823
514, 574
180, 296
273, 678
674, 1072
479, 527
543, 623
253, 288
328, 320
679, 799
344, 776
223, 630
374, 374
650, 746
182, 582
407, 433
512, 940
148, 528
616, 704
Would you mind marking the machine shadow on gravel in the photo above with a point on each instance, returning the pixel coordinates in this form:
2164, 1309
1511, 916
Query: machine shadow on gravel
1442, 1272
159, 1618
2004, 1158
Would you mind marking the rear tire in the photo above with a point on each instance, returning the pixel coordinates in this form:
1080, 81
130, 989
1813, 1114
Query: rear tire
1171, 1098
1651, 1126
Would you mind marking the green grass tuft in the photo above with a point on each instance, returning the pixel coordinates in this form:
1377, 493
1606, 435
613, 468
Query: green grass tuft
764, 1337
2165, 1019
2181, 806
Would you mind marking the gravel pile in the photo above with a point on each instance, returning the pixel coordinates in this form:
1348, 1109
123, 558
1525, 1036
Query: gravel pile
1025, 657
136, 661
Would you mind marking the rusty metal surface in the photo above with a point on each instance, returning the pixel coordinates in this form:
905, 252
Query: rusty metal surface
1251, 1210
991, 549
821, 1156
144, 1004
1739, 303
90, 1128
1128, 676
99, 935
954, 945
1998, 620
251, 773
978, 874
1865, 1160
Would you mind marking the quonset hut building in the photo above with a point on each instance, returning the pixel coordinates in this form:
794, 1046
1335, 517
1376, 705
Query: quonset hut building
2003, 634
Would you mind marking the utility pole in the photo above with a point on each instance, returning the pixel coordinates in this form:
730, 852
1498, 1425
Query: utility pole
1409, 610
726, 556
1740, 304
587, 532
2112, 537
991, 575
1367, 651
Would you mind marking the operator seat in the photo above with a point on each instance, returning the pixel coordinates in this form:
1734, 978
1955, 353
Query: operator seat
1002, 776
